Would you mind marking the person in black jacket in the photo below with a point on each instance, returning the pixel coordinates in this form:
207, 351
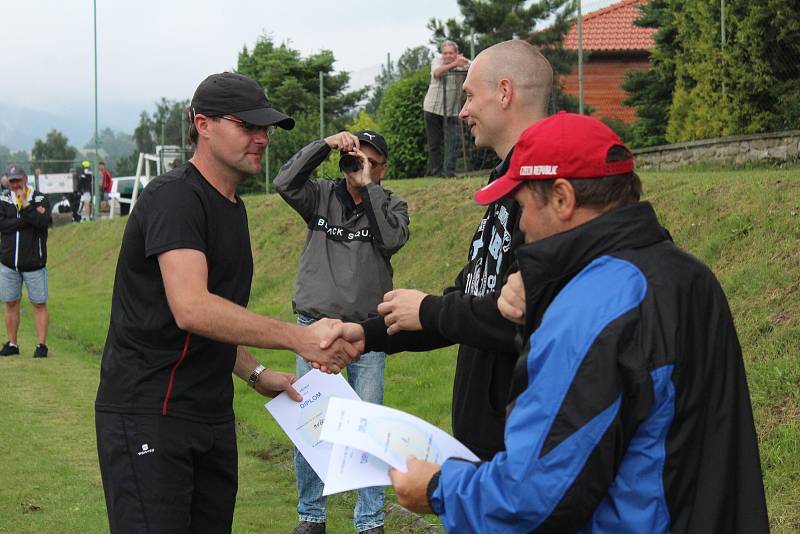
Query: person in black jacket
508, 88
629, 408
24, 219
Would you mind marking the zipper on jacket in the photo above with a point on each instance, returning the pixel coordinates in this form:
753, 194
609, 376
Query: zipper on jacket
16, 243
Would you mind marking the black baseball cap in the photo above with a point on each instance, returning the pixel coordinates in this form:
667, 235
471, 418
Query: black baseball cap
233, 94
375, 140
15, 172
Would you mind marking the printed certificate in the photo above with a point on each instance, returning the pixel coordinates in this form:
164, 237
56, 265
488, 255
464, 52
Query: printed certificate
302, 421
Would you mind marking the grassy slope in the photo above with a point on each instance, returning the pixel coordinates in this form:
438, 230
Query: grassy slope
744, 224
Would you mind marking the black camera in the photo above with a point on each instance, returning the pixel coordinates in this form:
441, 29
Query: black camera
349, 163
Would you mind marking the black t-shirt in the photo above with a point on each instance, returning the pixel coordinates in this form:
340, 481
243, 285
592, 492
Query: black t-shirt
144, 368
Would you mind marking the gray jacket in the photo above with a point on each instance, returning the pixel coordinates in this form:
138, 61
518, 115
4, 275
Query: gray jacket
345, 266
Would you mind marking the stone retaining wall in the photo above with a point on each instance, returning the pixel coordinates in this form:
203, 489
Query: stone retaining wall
775, 147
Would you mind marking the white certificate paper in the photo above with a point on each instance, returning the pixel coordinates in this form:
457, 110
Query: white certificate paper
351, 469
388, 434
302, 421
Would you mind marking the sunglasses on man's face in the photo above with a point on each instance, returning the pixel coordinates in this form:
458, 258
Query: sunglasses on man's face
251, 129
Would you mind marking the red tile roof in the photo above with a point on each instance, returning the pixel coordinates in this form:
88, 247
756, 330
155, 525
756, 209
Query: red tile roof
612, 29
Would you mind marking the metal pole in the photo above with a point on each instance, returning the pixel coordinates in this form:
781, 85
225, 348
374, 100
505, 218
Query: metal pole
183, 136
580, 59
722, 38
95, 181
321, 108
472, 45
266, 169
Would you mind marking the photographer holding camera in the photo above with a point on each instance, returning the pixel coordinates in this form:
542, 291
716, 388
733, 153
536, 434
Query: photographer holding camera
354, 228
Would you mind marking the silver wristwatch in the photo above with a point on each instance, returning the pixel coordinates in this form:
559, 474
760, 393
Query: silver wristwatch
253, 380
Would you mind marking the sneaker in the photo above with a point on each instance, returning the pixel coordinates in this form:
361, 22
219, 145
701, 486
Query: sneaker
374, 530
9, 349
41, 351
307, 527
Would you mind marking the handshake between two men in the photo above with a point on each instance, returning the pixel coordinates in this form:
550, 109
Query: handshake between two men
400, 310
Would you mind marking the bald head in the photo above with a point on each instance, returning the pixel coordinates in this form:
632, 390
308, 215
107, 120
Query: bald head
525, 67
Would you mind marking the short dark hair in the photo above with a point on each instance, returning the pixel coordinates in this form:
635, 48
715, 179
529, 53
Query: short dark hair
605, 193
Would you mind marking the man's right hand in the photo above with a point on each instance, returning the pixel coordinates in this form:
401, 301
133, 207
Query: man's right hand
325, 345
342, 141
352, 333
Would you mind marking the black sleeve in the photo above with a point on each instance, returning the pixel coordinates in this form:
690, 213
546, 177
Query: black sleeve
32, 216
467, 319
9, 222
376, 339
294, 184
173, 218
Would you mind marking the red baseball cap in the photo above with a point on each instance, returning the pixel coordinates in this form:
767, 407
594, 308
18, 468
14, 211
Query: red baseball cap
564, 145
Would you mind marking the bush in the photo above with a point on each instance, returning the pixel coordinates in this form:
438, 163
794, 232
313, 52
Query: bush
402, 124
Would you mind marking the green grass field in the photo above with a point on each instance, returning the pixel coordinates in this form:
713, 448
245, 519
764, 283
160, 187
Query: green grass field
745, 224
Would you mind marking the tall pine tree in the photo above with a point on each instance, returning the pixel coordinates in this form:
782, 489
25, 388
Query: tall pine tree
651, 90
751, 84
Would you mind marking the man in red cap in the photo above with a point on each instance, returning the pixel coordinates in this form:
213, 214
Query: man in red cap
629, 406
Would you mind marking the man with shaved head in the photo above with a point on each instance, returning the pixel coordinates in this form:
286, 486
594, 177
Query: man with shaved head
508, 88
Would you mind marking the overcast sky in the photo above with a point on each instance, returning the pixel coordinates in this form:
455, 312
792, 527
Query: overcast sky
148, 49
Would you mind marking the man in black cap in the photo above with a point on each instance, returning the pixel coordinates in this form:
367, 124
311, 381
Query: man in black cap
165, 426
354, 228
24, 219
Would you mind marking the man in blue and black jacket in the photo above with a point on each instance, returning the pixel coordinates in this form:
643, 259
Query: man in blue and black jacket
629, 407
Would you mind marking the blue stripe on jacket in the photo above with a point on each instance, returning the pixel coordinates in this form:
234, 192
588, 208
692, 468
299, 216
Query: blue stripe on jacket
636, 501
519, 488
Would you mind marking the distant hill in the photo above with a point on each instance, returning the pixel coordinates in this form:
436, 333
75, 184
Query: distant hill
21, 126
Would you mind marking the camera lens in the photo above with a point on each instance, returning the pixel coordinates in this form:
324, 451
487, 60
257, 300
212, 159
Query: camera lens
349, 163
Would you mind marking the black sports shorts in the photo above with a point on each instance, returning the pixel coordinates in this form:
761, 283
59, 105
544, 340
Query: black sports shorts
167, 475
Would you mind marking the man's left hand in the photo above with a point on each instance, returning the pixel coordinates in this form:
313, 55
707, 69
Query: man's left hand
363, 177
400, 310
272, 383
411, 487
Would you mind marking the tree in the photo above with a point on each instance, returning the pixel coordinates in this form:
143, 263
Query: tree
413, 59
384, 79
700, 88
651, 90
410, 61
400, 119
117, 146
291, 83
168, 125
492, 21
54, 154
7, 156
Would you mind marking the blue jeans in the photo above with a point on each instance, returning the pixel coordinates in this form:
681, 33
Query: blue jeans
366, 378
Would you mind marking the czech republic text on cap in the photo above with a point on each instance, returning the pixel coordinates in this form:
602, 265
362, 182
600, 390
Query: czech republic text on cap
564, 145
